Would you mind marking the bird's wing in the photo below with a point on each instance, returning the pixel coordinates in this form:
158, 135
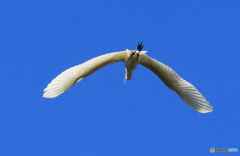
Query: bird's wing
188, 93
69, 77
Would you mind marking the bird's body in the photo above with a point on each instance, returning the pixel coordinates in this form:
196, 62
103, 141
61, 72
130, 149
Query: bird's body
131, 62
188, 93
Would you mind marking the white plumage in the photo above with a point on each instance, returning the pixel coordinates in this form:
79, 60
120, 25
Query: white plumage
131, 58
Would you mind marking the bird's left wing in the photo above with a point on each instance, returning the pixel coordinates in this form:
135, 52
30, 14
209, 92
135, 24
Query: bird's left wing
69, 77
188, 93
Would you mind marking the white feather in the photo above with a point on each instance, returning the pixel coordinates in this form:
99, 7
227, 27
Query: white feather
69, 77
188, 93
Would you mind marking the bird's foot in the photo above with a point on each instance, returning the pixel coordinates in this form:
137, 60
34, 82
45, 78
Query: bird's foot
140, 46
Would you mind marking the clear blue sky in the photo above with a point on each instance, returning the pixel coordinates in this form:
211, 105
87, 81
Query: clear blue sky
101, 115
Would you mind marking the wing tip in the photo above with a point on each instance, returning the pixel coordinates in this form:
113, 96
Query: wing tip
46, 95
204, 110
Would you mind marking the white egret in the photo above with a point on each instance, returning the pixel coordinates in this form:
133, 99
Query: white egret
131, 58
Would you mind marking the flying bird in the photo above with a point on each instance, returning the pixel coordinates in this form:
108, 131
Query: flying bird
131, 58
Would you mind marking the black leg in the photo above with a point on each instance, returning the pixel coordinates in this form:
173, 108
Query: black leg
138, 54
133, 53
140, 46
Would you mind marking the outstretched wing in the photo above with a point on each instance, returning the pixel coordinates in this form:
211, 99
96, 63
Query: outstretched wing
188, 93
69, 77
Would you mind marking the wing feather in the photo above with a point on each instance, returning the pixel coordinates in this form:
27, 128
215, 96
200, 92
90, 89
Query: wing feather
69, 77
188, 93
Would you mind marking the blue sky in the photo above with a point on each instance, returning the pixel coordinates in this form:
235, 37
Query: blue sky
101, 115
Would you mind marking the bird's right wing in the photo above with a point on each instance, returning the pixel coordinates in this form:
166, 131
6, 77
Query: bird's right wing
69, 77
188, 93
